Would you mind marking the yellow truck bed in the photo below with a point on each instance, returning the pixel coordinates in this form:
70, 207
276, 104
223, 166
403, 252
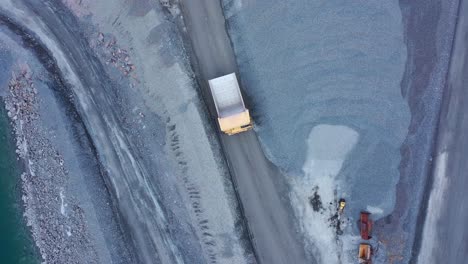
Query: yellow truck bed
235, 123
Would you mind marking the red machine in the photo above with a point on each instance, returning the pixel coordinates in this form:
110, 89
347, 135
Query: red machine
365, 225
365, 254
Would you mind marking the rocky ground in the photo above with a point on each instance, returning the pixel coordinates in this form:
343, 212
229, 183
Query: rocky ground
121, 110
376, 69
110, 126
57, 222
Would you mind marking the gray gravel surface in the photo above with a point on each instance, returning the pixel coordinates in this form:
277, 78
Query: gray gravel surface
146, 126
429, 33
114, 149
305, 63
94, 78
67, 204
445, 236
60, 233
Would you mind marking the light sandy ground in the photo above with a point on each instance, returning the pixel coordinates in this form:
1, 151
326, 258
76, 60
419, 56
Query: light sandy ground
328, 147
169, 91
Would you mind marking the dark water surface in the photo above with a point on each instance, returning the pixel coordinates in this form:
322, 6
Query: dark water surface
16, 245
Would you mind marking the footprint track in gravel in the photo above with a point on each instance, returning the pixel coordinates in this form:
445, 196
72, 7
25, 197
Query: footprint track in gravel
193, 193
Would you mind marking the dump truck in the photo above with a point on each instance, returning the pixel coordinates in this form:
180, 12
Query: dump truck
365, 254
233, 117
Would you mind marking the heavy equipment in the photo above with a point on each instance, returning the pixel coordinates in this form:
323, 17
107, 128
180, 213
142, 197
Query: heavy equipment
365, 224
341, 205
233, 117
365, 254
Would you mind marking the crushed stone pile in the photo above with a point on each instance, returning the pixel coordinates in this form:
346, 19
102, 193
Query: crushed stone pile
57, 223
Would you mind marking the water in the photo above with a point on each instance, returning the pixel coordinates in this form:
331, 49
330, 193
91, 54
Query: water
16, 245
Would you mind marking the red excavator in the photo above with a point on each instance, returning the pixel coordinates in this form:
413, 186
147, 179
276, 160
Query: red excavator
365, 225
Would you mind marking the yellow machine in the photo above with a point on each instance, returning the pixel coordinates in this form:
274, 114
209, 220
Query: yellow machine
236, 123
341, 205
233, 117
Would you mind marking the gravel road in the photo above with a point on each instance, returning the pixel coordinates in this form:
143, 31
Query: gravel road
259, 184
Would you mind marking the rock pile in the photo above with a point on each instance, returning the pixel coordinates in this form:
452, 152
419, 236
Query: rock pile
57, 223
116, 56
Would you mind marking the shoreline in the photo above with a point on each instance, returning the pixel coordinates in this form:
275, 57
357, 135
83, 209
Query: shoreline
39, 185
18, 166
70, 206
